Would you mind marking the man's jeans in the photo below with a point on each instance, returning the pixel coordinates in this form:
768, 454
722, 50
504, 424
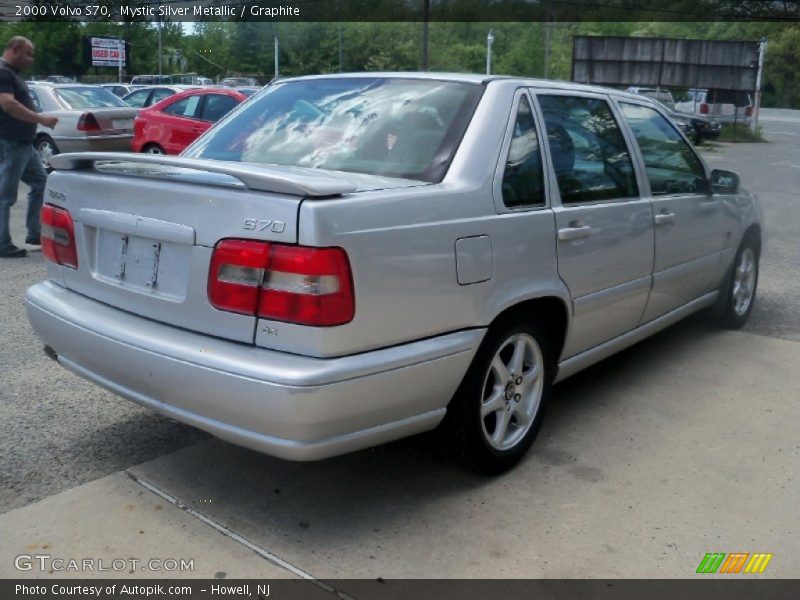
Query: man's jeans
20, 161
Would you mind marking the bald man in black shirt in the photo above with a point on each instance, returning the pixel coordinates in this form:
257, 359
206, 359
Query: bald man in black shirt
18, 158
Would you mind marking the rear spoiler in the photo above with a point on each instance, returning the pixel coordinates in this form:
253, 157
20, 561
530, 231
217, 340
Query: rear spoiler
296, 181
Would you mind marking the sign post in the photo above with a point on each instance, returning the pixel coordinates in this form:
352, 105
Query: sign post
120, 48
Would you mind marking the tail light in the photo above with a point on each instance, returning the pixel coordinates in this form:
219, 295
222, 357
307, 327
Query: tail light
296, 284
237, 271
88, 122
703, 108
58, 236
748, 112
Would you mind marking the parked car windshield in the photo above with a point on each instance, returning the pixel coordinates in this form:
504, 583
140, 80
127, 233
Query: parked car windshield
382, 126
88, 97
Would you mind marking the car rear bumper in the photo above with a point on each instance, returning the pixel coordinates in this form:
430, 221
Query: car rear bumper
95, 143
709, 134
290, 406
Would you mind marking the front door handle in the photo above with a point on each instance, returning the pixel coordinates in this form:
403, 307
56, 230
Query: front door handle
574, 233
665, 218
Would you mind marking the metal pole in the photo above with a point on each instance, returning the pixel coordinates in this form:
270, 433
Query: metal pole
547, 28
277, 71
340, 47
426, 17
489, 42
159, 39
757, 104
120, 47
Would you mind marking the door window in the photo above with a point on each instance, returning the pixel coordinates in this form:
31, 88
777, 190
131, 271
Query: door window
217, 106
185, 107
671, 164
523, 179
589, 155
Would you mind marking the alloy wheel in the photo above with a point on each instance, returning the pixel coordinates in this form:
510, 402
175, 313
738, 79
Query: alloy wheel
512, 391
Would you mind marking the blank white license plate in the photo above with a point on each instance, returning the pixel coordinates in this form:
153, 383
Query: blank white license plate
122, 123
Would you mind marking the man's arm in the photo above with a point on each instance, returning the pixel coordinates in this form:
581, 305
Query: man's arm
13, 108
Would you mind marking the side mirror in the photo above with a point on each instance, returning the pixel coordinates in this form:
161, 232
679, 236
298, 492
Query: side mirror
724, 182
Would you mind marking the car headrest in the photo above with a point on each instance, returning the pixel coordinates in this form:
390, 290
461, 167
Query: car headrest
562, 149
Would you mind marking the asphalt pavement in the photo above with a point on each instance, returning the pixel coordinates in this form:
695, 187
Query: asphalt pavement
681, 445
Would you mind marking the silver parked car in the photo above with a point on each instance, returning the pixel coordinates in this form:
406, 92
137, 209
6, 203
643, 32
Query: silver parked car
346, 260
90, 117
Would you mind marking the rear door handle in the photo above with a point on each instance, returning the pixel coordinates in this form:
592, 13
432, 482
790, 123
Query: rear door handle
665, 218
574, 233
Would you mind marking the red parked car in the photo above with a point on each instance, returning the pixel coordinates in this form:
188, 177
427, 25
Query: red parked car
169, 126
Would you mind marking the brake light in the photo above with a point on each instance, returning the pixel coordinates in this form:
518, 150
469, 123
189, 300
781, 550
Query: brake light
237, 270
296, 284
58, 236
310, 286
88, 122
703, 108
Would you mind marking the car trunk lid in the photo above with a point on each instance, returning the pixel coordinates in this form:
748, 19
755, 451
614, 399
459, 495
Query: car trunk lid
146, 227
110, 120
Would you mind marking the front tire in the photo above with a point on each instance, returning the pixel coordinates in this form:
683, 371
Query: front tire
499, 406
740, 287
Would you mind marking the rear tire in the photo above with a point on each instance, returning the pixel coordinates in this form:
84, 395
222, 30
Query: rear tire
498, 409
153, 149
47, 149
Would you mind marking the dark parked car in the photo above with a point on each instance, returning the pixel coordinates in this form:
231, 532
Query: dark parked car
696, 127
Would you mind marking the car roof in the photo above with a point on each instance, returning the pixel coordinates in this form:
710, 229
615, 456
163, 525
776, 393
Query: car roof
474, 78
63, 85
169, 86
200, 90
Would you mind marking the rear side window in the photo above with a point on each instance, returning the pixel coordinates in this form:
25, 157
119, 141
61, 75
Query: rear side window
35, 97
160, 94
590, 158
737, 98
217, 106
138, 98
672, 166
185, 107
523, 179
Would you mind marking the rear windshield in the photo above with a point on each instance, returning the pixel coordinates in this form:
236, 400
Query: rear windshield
381, 126
735, 97
88, 97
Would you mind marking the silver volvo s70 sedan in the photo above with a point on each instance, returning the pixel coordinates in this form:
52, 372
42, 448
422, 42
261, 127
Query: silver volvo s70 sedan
346, 260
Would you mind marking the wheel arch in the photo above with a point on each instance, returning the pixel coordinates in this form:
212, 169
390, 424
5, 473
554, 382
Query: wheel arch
753, 231
552, 311
41, 135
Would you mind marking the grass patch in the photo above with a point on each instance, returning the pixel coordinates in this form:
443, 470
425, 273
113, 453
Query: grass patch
740, 132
